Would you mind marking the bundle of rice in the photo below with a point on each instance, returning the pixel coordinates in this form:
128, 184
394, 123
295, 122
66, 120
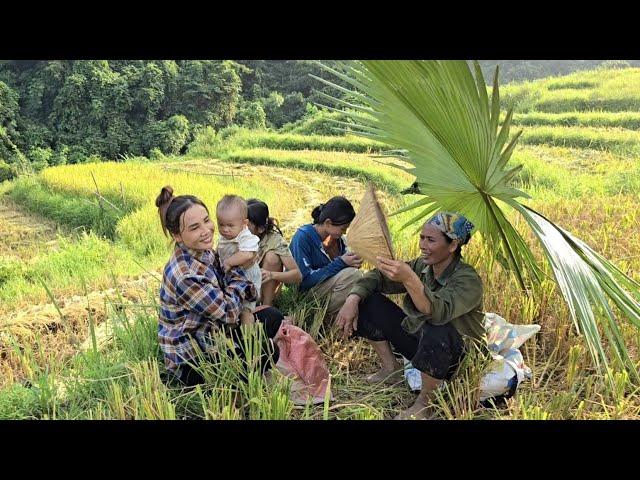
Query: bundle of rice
368, 235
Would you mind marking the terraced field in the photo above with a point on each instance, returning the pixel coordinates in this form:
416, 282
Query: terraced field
99, 257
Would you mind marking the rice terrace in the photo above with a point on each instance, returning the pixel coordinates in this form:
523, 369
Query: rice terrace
86, 146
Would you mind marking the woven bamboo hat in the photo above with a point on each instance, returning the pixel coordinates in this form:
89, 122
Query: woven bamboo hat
368, 235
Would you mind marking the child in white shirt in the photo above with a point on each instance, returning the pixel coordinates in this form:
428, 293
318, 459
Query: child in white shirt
237, 246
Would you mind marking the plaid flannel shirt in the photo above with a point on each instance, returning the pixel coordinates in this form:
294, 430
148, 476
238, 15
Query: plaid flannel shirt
196, 297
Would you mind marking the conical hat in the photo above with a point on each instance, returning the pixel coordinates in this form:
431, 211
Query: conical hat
368, 235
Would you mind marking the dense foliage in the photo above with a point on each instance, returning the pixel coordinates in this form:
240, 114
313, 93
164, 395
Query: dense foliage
57, 112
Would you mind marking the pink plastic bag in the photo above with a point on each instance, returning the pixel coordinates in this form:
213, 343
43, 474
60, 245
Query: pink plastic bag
302, 360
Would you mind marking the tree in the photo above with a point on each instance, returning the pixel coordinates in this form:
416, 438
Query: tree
271, 106
209, 92
170, 136
9, 110
109, 108
251, 115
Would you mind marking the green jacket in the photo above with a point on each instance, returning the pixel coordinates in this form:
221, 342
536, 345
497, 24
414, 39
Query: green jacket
456, 297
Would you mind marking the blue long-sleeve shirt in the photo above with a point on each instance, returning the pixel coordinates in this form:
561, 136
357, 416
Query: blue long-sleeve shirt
314, 263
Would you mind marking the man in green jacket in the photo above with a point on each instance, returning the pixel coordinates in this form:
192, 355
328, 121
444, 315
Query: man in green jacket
443, 304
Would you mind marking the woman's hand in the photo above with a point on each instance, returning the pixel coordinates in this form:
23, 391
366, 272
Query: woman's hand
352, 260
347, 319
395, 270
267, 275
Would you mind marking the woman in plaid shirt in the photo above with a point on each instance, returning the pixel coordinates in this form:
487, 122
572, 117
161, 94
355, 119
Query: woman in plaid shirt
197, 296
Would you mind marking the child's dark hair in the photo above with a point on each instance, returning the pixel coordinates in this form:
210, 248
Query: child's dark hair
171, 208
258, 214
338, 209
230, 201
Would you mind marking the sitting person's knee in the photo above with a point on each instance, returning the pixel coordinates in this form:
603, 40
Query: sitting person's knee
349, 276
271, 318
373, 301
272, 262
439, 351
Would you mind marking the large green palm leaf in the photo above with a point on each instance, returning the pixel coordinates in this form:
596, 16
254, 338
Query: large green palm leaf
439, 115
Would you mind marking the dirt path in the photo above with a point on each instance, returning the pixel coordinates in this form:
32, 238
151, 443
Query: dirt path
22, 231
316, 187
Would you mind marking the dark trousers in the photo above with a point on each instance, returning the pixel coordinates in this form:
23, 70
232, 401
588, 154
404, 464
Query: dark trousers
270, 319
435, 349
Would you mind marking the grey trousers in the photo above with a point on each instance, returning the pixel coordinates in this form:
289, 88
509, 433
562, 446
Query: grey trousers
336, 288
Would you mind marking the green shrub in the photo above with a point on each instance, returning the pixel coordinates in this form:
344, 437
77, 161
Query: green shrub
156, 154
76, 154
170, 135
320, 123
7, 172
59, 156
207, 142
18, 402
522, 99
39, 155
11, 268
251, 115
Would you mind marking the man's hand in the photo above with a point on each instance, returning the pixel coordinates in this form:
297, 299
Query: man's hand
347, 319
395, 270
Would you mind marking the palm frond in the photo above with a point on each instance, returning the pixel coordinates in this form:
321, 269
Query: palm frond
440, 114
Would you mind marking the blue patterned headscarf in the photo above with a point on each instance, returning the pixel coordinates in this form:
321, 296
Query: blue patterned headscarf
453, 225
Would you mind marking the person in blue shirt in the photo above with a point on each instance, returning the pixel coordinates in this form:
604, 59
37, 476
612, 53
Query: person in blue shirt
319, 248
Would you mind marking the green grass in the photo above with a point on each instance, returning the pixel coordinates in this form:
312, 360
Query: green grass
609, 90
320, 123
85, 258
573, 173
571, 85
66, 195
71, 211
629, 120
585, 102
206, 144
122, 381
18, 402
626, 142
